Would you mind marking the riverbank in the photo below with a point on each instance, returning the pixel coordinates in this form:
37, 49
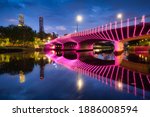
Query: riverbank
18, 49
140, 48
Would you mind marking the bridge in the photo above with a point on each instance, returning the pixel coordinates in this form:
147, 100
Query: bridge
118, 73
118, 33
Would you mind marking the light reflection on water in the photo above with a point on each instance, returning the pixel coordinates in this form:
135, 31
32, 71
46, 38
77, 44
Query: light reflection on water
71, 75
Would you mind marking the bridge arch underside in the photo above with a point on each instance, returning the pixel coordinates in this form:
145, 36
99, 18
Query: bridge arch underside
58, 46
53, 46
89, 44
69, 46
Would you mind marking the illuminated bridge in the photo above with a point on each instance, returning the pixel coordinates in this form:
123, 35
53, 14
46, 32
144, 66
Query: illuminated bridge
118, 33
119, 73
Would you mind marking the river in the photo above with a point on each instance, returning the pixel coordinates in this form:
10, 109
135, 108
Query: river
70, 75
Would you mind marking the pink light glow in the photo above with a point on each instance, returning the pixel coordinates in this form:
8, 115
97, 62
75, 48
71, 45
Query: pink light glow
93, 70
99, 32
122, 30
100, 71
116, 30
117, 74
142, 86
104, 33
128, 81
103, 73
53, 46
108, 72
97, 69
107, 32
111, 31
134, 27
143, 21
134, 83
122, 74
111, 75
148, 32
148, 79
96, 33
119, 46
128, 28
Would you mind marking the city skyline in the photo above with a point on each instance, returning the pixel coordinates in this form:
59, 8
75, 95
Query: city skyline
59, 15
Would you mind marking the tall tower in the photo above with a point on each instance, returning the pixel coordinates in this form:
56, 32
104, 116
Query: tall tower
41, 26
21, 20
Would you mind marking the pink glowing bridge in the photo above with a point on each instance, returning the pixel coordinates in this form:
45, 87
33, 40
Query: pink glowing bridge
117, 74
117, 32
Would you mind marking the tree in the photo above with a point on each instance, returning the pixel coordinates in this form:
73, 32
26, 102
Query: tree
16, 33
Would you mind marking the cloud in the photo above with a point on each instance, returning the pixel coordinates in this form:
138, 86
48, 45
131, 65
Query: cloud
12, 20
55, 28
61, 28
48, 28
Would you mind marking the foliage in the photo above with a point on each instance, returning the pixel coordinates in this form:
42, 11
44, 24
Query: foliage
17, 34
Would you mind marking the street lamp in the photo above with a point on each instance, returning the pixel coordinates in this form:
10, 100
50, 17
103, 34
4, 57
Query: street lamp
119, 15
79, 19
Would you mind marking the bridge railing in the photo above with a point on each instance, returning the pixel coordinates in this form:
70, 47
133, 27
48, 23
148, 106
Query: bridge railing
117, 24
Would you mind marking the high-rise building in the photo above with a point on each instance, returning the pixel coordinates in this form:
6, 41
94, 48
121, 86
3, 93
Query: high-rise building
41, 26
21, 20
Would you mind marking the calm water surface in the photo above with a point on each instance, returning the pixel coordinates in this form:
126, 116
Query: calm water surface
72, 75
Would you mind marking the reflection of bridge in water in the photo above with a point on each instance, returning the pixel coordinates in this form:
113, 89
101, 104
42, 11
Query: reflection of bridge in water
119, 73
117, 33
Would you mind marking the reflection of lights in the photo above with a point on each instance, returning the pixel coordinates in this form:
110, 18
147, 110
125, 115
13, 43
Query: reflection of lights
21, 77
97, 50
55, 65
79, 82
119, 85
142, 56
49, 60
53, 47
53, 52
146, 59
119, 59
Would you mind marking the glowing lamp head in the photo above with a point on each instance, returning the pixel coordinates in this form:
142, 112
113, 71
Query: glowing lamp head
119, 16
79, 18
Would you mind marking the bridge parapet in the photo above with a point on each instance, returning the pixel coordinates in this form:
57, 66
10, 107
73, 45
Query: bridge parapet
117, 31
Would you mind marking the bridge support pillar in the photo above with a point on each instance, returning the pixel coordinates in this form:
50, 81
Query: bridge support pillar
62, 47
118, 46
118, 59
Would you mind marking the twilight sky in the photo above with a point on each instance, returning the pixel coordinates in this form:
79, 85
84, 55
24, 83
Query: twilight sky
59, 15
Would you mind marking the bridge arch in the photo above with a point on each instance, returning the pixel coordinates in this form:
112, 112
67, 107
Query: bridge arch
118, 32
69, 45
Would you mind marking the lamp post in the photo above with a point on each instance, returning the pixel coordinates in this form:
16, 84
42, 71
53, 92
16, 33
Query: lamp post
79, 19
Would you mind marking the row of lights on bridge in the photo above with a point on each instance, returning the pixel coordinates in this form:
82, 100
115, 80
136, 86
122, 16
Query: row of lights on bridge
79, 19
